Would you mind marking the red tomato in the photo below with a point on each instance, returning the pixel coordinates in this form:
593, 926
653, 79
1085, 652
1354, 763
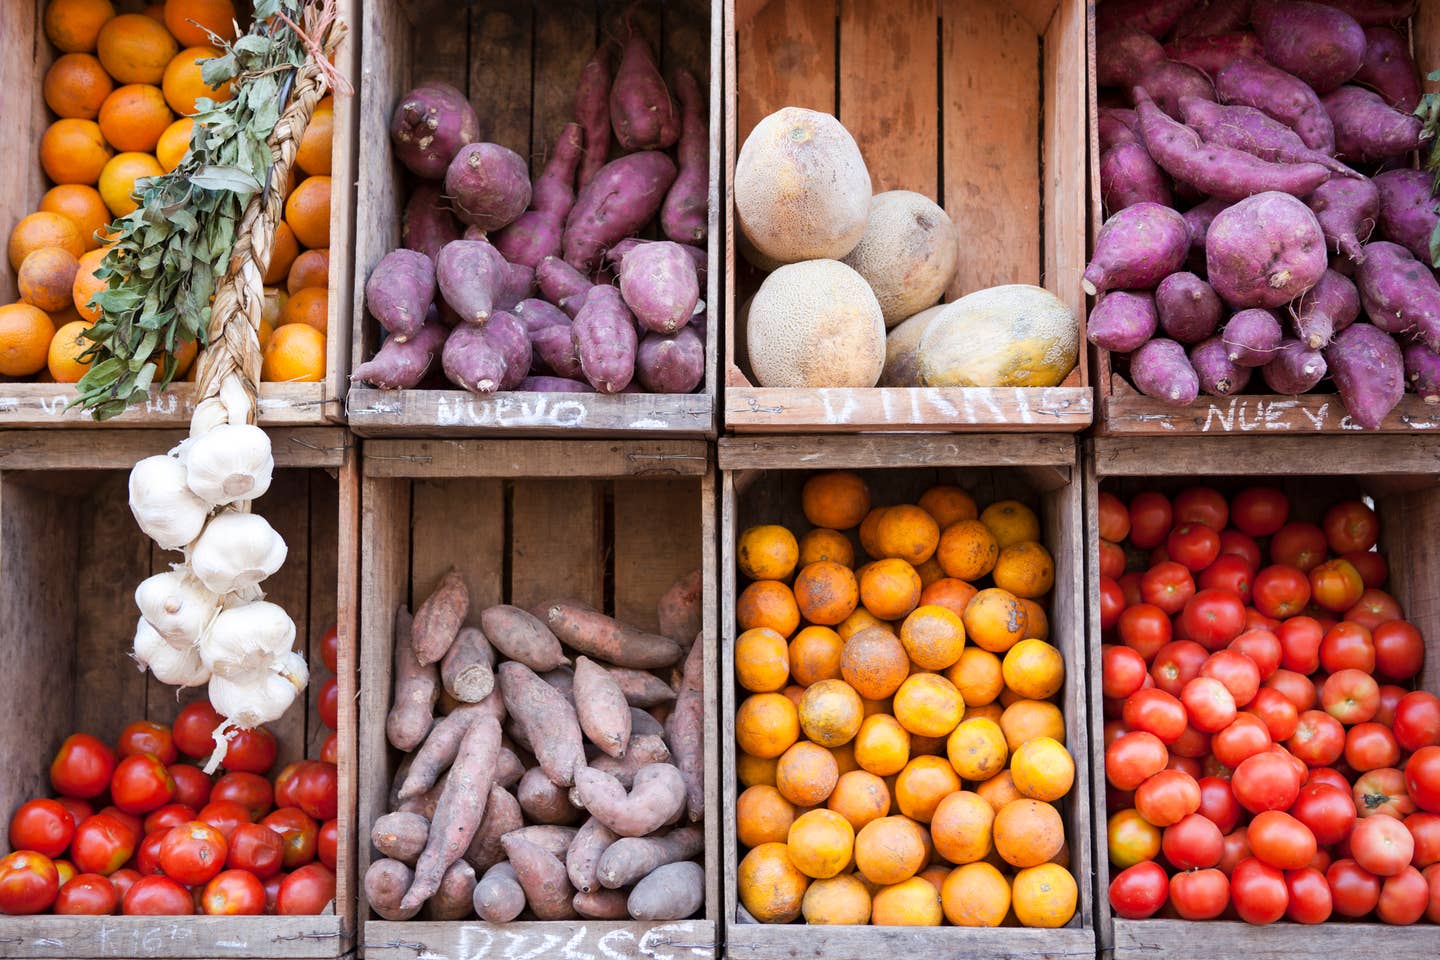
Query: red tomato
250, 751
132, 822
1328, 811
193, 728
1192, 743
1309, 892
1200, 894
1259, 892
1300, 640
1376, 607
1130, 840
257, 848
1139, 891
1150, 519
1281, 591
1237, 849
1417, 720
43, 826
87, 894
224, 815
157, 897
1194, 842
192, 785
306, 891
1155, 711
1122, 671
147, 857
1399, 650
1328, 775
1335, 585
1266, 781
1403, 897
1390, 697
1133, 759
287, 782
330, 648
122, 880
146, 736
299, 832
1242, 739
1422, 778
1350, 696
193, 852
327, 843
141, 784
1262, 647
330, 749
1237, 672
1112, 560
1319, 739
1374, 571
1208, 704
233, 893
1213, 618
1369, 746
1347, 646
1144, 628
272, 890
1259, 511
83, 767
1276, 712
1382, 845
330, 700
28, 883
1298, 544
1229, 572
1167, 585
170, 815
1432, 878
1350, 525
1218, 803
1382, 791
66, 871
1194, 546
1176, 664
1233, 543
1202, 505
78, 809
1280, 840
1355, 889
1167, 797
250, 790
1112, 603
1425, 830
101, 844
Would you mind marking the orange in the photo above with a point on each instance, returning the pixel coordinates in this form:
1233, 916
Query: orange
913, 903
954, 595
842, 899
1043, 769
861, 619
999, 790
76, 85
890, 588
1011, 522
794, 692
283, 251
815, 655
40, 231
930, 571
766, 552
873, 662
960, 827
1034, 669
826, 592
990, 711
310, 306
1044, 896
765, 603
63, 356
869, 527
975, 895
74, 25
762, 660
135, 49
174, 143
134, 117
948, 504
820, 843
310, 270
762, 815
1028, 832
117, 180
755, 771
295, 354
766, 725
87, 284
882, 745
185, 354
844, 755
967, 550
994, 620
1037, 624
806, 774
1024, 720
859, 796
185, 85
976, 749
921, 786
307, 210
935, 875
1026, 569
192, 21
830, 713
313, 155
907, 532
890, 850
74, 151
978, 677
155, 11
82, 206
770, 887
25, 333
837, 499
928, 705
821, 544
45, 278
934, 637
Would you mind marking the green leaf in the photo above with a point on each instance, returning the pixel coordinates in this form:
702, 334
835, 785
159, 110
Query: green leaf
229, 178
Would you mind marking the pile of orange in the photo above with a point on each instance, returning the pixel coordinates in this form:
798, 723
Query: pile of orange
122, 88
901, 750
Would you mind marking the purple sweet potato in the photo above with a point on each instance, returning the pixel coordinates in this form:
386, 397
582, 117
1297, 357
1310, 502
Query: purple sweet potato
1320, 45
544, 802
605, 339
1369, 371
1211, 17
642, 112
1122, 57
1375, 13
553, 385
1168, 82
1219, 171
685, 215
549, 330
562, 284
1208, 54
474, 360
427, 224
1296, 368
1255, 132
1264, 251
517, 283
471, 275
1114, 126
1367, 129
488, 185
1251, 337
621, 199
1155, 17
1287, 98
1399, 293
1187, 307
1408, 212
1122, 320
698, 255
1219, 375
402, 365
536, 233
399, 292
658, 284
386, 881
1389, 70
1136, 249
1325, 309
1128, 176
1161, 370
1346, 210
592, 110
1422, 371
671, 362
430, 124
1198, 219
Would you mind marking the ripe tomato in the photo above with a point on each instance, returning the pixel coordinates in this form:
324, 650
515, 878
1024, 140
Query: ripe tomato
1218, 803
1382, 845
1319, 739
193, 852
306, 891
132, 822
272, 890
1310, 900
1295, 687
311, 785
1347, 646
1144, 628
1422, 778
157, 897
330, 647
1194, 842
1259, 511
1399, 650
1369, 746
1167, 585
1139, 891
192, 786
1266, 781
1208, 704
1298, 544
1112, 560
1130, 840
1328, 775
250, 751
87, 894
65, 870
101, 844
257, 848
146, 736
1237, 850
1200, 894
1374, 608
1213, 618
1328, 811
1130, 587
1403, 897
1259, 892
147, 857
1122, 671
1276, 712
1155, 711
250, 790
1237, 672
1417, 720
1262, 647
1242, 739
1281, 591
1280, 840
1355, 889
1350, 526
224, 815
28, 883
1350, 696
328, 842
1382, 791
1371, 565
1336, 585
1390, 697
1228, 572
1150, 519
1425, 830
299, 832
1167, 797
1194, 546
233, 893
193, 728
330, 700
1112, 603
122, 880
1192, 743
1203, 505
43, 826
78, 809
82, 767
1176, 664
1233, 543
141, 784
170, 815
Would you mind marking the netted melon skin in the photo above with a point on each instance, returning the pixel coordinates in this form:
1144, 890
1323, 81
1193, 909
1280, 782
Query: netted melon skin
815, 324
907, 254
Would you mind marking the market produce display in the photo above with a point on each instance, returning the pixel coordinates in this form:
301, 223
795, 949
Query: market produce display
1262, 212
589, 279
1266, 758
844, 266
555, 763
900, 751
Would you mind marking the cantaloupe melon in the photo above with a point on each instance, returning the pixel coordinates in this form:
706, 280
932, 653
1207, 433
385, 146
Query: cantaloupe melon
815, 324
1010, 336
802, 191
902, 345
907, 254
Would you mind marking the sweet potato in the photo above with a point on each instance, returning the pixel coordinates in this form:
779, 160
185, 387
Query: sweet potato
427, 223
685, 215
659, 285
1208, 54
456, 896
539, 314
562, 679
1346, 210
536, 233
641, 688
1369, 371
657, 798
1408, 213
1211, 17
643, 750
600, 705
685, 731
1122, 320
401, 365
642, 112
542, 876
552, 838
629, 859
509, 768
1161, 370
1155, 17
643, 723
506, 336
1168, 82
416, 687
584, 629
672, 892
429, 125
471, 275
1285, 97
1399, 293
1264, 251
1254, 132
468, 668
547, 719
602, 904
621, 199
1129, 176
1320, 45
1136, 249
400, 836
439, 618
1197, 221
582, 860
1187, 308
1325, 309
605, 340
543, 801
1219, 376
698, 256
488, 185
1375, 13
1389, 70
1122, 56
472, 361
671, 362
1367, 129
399, 292
498, 896
679, 609
1422, 371
562, 284
522, 637
425, 804
1295, 368
1251, 337
385, 884
517, 285
443, 744
1115, 128
502, 815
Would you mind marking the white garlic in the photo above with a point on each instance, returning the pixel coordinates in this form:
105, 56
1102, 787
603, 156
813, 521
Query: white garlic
176, 666
254, 697
177, 606
163, 505
231, 462
236, 551
247, 637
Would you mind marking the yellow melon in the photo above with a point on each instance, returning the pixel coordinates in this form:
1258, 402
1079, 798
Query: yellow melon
907, 253
815, 324
1010, 336
902, 344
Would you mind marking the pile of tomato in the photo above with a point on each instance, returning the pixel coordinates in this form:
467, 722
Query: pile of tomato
1265, 756
135, 830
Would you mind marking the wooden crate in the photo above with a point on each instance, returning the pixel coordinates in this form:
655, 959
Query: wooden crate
1400, 474
975, 104
70, 558
519, 62
25, 55
611, 523
1126, 411
762, 478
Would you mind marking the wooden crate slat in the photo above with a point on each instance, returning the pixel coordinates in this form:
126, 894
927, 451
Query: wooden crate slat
564, 37
120, 449
681, 939
557, 542
459, 524
323, 601
499, 72
788, 60
686, 41
940, 409
1128, 412
372, 412
48, 405
119, 938
1280, 941
544, 458
859, 453
1063, 161
656, 543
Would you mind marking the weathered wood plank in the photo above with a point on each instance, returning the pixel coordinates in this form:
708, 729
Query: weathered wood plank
1126, 412
25, 55
120, 449
114, 938
1135, 939
564, 40
861, 453
773, 942
1064, 141
537, 458
373, 412
557, 542
657, 541
786, 58
575, 938
1268, 455
47, 405
461, 524
499, 71
942, 409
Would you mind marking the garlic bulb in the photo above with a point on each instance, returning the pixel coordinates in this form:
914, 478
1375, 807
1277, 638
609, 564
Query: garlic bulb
164, 507
231, 462
236, 551
256, 696
247, 637
172, 665
177, 606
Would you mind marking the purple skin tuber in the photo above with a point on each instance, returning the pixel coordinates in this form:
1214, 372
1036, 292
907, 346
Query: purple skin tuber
402, 365
1123, 56
671, 363
537, 314
1251, 337
1161, 370
1218, 170
1320, 45
1168, 82
1264, 251
430, 124
506, 334
685, 215
471, 275
1375, 13
624, 196
517, 283
554, 347
1219, 376
1136, 249
488, 185
1389, 70
562, 284
658, 284
1155, 17
553, 385
1188, 308
1407, 210
1254, 132
1296, 368
592, 110
1122, 320
489, 358
1366, 129
536, 234
1399, 293
698, 255
1346, 210
400, 291
642, 112
605, 340
1128, 176
1422, 371
1285, 97
1209, 54
1369, 371
428, 224
1325, 309
1198, 219
1210, 18
1115, 126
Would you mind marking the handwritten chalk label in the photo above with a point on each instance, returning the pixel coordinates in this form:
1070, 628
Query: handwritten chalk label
686, 940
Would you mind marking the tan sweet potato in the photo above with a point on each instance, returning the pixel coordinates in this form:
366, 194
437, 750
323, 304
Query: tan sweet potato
425, 804
672, 892
631, 858
498, 896
402, 770
468, 667
586, 630
442, 744
601, 708
680, 609
543, 801
542, 876
514, 731
642, 688
400, 836
502, 814
583, 858
522, 637
643, 749
548, 720
657, 798
508, 769
552, 838
439, 618
602, 904
642, 723
416, 687
685, 732
456, 896
562, 679
385, 884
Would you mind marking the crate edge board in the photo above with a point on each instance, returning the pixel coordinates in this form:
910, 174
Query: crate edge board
1344, 455
1063, 409
119, 449
462, 939
897, 451
474, 457
121, 937
763, 941
47, 405
1273, 414
1169, 938
512, 412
